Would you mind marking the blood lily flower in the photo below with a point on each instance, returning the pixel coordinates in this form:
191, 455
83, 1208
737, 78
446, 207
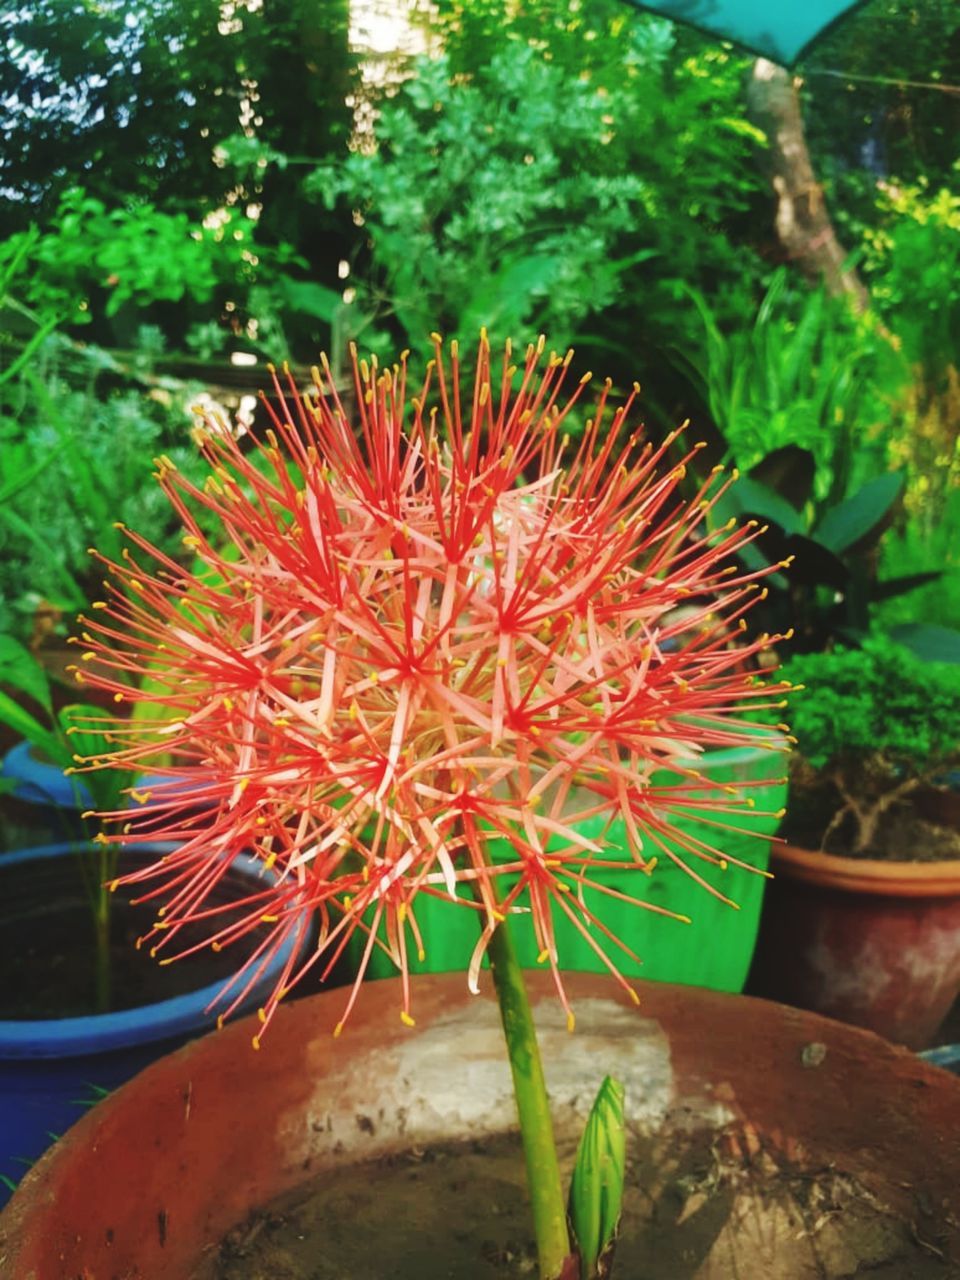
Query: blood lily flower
433, 635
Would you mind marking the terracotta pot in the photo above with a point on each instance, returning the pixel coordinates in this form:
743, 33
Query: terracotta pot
874, 943
151, 1180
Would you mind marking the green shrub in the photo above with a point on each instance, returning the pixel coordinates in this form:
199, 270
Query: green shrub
881, 700
512, 185
84, 456
876, 722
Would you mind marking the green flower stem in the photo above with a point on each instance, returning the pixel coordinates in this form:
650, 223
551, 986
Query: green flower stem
533, 1108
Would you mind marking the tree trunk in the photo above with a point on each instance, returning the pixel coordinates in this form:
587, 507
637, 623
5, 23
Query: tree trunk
802, 222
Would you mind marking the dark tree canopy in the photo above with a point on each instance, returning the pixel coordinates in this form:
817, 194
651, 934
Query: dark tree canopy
129, 100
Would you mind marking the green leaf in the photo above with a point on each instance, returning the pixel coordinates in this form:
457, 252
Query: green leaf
596, 1189
757, 500
930, 642
23, 477
859, 515
50, 556
80, 723
28, 727
21, 670
890, 588
789, 471
309, 298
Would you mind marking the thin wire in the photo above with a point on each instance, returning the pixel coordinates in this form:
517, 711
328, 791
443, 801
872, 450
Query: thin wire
953, 89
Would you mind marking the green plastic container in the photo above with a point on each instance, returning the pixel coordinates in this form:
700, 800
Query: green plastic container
714, 951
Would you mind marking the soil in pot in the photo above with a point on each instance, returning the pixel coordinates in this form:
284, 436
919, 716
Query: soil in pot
908, 832
47, 955
697, 1207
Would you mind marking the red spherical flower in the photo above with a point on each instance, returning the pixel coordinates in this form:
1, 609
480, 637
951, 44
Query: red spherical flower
430, 638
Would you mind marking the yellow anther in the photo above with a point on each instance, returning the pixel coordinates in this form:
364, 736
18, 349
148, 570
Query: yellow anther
406, 1019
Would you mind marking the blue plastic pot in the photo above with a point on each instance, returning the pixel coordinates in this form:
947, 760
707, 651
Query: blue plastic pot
38, 781
50, 802
44, 805
51, 1070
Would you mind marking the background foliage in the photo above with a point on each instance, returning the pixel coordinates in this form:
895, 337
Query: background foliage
185, 183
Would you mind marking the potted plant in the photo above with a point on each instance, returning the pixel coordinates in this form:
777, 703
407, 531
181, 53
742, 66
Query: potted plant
78, 1016
762, 1141
449, 939
863, 921
444, 628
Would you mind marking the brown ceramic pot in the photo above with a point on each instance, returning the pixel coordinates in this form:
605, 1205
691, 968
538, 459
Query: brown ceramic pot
874, 943
149, 1182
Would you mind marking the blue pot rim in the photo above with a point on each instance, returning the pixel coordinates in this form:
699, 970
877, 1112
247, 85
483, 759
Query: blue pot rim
165, 1019
40, 782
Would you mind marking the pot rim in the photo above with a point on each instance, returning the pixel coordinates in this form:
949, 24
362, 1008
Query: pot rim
867, 875
33, 1038
306, 1102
